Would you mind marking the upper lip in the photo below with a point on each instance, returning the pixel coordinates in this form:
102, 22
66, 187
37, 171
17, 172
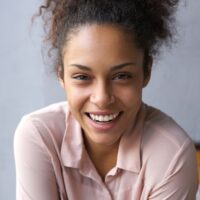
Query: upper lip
103, 112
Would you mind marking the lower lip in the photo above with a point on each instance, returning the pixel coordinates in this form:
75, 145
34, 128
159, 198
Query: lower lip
103, 126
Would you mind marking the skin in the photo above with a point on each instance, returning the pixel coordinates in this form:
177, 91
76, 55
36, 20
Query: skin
103, 74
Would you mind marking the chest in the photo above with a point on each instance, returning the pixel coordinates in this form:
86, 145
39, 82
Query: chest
118, 185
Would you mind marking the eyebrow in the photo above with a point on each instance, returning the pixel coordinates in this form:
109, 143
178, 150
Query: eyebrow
114, 68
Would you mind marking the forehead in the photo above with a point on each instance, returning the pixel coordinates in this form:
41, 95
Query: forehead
97, 42
96, 31
104, 33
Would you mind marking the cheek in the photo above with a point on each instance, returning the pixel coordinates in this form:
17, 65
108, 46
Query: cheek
76, 96
130, 95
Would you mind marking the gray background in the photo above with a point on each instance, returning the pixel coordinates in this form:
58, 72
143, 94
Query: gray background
26, 84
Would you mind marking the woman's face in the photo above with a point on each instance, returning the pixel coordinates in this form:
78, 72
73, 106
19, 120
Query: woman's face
103, 79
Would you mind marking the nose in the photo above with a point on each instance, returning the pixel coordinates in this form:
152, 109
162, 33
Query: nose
102, 95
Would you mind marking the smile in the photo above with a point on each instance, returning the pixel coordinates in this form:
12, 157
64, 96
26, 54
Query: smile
103, 118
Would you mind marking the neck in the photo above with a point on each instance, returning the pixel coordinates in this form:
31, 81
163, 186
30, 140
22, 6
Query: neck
104, 157
100, 150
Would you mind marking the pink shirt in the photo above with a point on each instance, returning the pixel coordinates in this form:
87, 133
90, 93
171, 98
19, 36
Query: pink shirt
156, 160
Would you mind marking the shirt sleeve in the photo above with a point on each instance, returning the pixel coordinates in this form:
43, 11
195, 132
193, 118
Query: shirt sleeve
35, 177
180, 181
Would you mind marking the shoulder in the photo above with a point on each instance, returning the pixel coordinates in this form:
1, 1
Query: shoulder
44, 124
159, 128
165, 145
50, 112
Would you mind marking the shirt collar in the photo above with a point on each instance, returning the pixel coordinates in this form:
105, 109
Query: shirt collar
72, 144
72, 148
129, 153
73, 152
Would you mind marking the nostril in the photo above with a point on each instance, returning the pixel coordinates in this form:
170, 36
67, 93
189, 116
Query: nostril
102, 101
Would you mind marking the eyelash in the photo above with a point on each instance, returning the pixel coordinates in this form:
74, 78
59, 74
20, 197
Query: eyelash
119, 76
122, 76
81, 77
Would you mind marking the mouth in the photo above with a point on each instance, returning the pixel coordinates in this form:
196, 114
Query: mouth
104, 118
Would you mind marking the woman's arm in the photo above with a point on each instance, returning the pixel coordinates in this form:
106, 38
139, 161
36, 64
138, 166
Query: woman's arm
34, 172
180, 181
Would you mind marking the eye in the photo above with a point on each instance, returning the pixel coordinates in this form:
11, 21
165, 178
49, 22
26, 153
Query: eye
122, 76
81, 77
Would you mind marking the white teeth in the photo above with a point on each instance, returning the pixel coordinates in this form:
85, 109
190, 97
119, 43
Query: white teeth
103, 118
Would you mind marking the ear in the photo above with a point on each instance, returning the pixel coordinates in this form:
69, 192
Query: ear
60, 75
61, 81
147, 76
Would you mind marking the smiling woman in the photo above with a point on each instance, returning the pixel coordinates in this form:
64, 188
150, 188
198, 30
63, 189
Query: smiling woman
108, 86
104, 140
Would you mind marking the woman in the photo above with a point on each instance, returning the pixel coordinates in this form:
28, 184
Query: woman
104, 143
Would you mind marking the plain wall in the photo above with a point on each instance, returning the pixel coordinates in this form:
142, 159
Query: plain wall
26, 83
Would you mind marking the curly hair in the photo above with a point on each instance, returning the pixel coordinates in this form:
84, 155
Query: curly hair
150, 21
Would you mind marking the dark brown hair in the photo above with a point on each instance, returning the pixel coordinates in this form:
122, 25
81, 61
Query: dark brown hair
150, 21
